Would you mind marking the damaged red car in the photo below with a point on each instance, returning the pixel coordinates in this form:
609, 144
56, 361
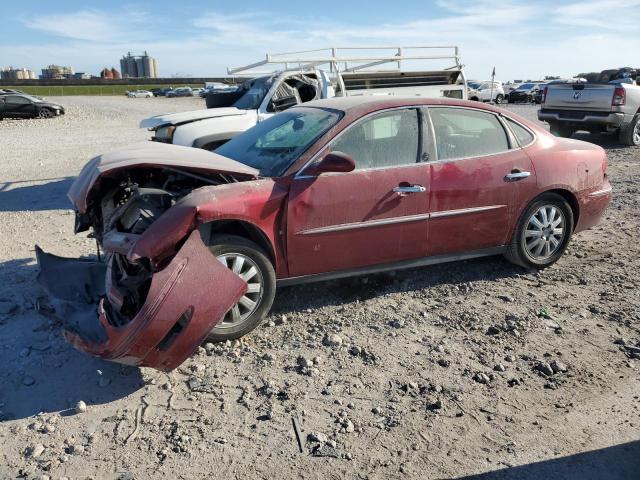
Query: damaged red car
195, 243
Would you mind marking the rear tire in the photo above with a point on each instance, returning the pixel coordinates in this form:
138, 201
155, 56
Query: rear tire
499, 98
227, 248
561, 130
630, 135
542, 233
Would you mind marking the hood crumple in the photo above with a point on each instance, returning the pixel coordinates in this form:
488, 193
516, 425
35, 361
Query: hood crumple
185, 117
154, 155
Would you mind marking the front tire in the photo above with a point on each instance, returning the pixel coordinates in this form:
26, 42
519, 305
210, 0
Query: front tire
249, 261
542, 233
45, 113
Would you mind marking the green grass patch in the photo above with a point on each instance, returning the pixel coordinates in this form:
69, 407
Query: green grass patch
93, 89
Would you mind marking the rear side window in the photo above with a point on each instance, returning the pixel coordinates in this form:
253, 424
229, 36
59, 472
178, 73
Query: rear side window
462, 132
384, 140
522, 134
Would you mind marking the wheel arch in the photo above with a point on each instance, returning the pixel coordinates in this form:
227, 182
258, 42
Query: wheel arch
571, 199
241, 228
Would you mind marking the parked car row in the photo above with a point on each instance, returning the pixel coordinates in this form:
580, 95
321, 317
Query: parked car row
167, 92
486, 91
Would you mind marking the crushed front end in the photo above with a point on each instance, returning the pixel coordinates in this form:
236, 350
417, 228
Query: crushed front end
156, 291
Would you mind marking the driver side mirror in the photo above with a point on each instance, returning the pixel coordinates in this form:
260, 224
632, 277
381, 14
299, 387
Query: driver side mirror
337, 162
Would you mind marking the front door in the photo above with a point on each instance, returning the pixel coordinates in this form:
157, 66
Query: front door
476, 182
375, 214
18, 106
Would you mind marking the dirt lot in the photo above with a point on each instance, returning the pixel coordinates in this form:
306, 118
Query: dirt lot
431, 373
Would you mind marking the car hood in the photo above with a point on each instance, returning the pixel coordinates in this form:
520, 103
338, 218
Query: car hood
50, 104
186, 117
154, 155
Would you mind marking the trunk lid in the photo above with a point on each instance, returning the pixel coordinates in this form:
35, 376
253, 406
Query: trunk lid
579, 96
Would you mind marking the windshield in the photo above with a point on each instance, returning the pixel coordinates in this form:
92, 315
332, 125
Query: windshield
525, 86
252, 98
274, 144
473, 85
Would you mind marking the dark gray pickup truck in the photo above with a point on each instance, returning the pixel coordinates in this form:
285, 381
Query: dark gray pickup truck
600, 105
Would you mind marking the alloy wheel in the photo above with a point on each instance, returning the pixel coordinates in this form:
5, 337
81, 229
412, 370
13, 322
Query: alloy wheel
636, 133
248, 270
545, 232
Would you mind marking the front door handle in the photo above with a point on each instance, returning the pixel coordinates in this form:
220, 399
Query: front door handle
403, 190
516, 175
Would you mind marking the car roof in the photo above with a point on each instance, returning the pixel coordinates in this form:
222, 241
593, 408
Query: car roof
363, 104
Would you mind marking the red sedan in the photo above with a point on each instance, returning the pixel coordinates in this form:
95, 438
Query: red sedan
195, 243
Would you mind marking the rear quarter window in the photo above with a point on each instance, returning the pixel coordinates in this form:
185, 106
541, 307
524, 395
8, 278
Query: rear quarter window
524, 136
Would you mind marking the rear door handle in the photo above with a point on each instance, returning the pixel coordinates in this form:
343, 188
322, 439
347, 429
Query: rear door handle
409, 189
516, 175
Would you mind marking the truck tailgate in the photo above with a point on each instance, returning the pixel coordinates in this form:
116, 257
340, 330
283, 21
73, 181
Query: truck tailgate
581, 96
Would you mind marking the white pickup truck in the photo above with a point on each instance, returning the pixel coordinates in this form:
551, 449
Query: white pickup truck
301, 81
604, 104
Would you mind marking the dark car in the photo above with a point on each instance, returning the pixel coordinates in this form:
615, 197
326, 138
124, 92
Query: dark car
160, 92
525, 93
198, 241
27, 106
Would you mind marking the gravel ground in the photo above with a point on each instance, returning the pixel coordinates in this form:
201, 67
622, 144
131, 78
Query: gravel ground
473, 368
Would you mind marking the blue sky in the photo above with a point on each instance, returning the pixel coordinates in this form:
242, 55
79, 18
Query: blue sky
522, 39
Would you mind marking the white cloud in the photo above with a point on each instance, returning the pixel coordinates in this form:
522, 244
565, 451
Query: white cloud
618, 15
522, 39
92, 25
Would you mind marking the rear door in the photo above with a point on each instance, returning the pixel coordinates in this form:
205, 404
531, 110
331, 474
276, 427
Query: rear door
478, 181
377, 213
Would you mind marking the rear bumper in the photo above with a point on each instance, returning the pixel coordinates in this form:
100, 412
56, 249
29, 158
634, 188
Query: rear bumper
186, 299
593, 205
582, 117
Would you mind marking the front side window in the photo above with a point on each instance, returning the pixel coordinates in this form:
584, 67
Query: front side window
18, 100
383, 140
274, 144
463, 132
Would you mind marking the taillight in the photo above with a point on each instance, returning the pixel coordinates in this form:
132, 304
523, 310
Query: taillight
619, 97
544, 94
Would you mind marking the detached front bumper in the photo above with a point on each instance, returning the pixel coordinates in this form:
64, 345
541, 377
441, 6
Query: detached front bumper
186, 299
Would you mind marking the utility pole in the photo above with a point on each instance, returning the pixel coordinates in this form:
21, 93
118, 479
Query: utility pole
493, 76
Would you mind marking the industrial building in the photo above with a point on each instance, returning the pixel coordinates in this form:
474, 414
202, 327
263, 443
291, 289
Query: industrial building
142, 66
17, 74
56, 72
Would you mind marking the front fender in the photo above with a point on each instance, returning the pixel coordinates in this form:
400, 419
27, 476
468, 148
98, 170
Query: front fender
260, 203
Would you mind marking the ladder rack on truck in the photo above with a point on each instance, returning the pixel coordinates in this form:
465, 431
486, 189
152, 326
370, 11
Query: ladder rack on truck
355, 69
